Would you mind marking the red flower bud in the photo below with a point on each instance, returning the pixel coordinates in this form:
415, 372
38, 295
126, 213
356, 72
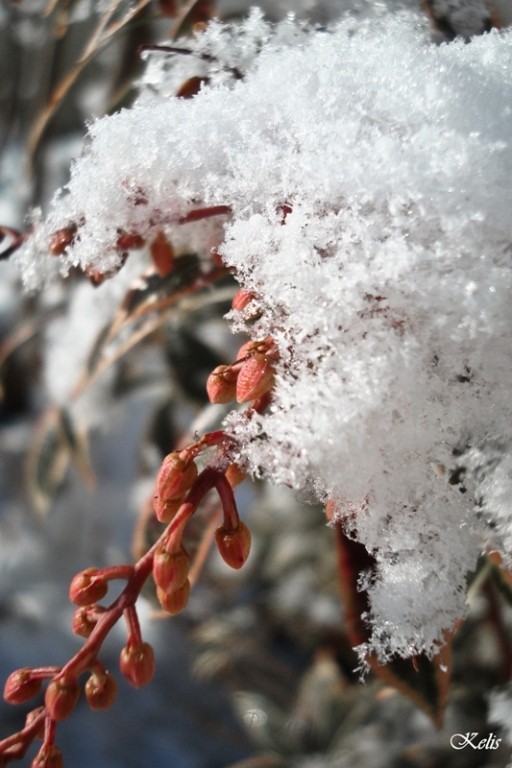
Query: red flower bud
174, 602
165, 510
234, 544
129, 241
264, 346
249, 348
235, 475
221, 384
100, 690
61, 697
87, 587
85, 619
49, 756
162, 254
20, 686
176, 476
242, 299
191, 87
170, 569
60, 239
137, 663
256, 377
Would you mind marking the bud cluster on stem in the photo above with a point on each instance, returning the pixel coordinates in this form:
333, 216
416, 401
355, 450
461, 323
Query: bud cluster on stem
250, 377
168, 561
160, 248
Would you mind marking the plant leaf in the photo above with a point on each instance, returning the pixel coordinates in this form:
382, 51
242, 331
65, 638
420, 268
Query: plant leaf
56, 445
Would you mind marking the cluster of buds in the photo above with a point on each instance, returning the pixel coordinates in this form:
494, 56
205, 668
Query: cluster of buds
180, 490
175, 478
160, 247
136, 661
160, 250
249, 378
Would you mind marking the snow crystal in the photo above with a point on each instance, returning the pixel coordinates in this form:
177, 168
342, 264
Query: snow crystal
386, 287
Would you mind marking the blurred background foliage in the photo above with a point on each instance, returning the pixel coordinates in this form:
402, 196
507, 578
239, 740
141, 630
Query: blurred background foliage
258, 672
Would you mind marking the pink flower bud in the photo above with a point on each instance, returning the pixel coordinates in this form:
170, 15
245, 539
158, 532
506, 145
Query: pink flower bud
170, 569
100, 690
234, 544
256, 377
20, 686
221, 384
175, 601
49, 756
176, 476
137, 663
61, 697
87, 587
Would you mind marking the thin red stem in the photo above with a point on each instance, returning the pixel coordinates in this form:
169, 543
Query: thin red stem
132, 620
43, 673
204, 213
50, 731
227, 497
116, 572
